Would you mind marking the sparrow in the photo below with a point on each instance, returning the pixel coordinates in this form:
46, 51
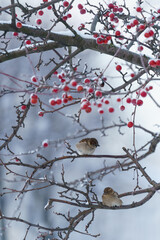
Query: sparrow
110, 198
87, 145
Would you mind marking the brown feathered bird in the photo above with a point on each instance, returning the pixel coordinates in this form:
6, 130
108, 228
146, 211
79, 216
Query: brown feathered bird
87, 145
110, 198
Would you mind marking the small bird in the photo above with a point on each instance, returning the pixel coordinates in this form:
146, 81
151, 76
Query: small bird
110, 198
87, 145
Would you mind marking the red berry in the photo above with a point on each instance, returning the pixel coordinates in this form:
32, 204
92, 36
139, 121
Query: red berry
34, 79
55, 90
64, 18
69, 15
39, 21
49, 7
128, 100
99, 105
147, 35
104, 79
140, 48
80, 6
58, 101
106, 14
33, 95
101, 111
109, 38
100, 40
98, 93
52, 102
70, 98
152, 63
158, 11
134, 102
65, 4
63, 80
45, 143
23, 107
138, 92
64, 95
59, 76
122, 108
82, 11
130, 124
139, 9
15, 34
118, 68
116, 20
19, 24
40, 12
17, 159
88, 109
73, 83
66, 88
105, 40
86, 81
151, 33
33, 100
65, 100
111, 5
128, 26
28, 42
142, 27
111, 109
45, 0
80, 28
120, 9
118, 99
84, 105
158, 62
115, 9
135, 22
139, 102
90, 90
143, 94
106, 101
111, 15
79, 88
40, 114
35, 48
95, 35
117, 33
102, 36
132, 75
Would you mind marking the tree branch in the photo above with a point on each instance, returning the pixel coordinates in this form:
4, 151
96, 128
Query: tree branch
82, 43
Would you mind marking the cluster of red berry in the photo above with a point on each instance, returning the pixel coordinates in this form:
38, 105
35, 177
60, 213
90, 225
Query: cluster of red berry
94, 96
154, 63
